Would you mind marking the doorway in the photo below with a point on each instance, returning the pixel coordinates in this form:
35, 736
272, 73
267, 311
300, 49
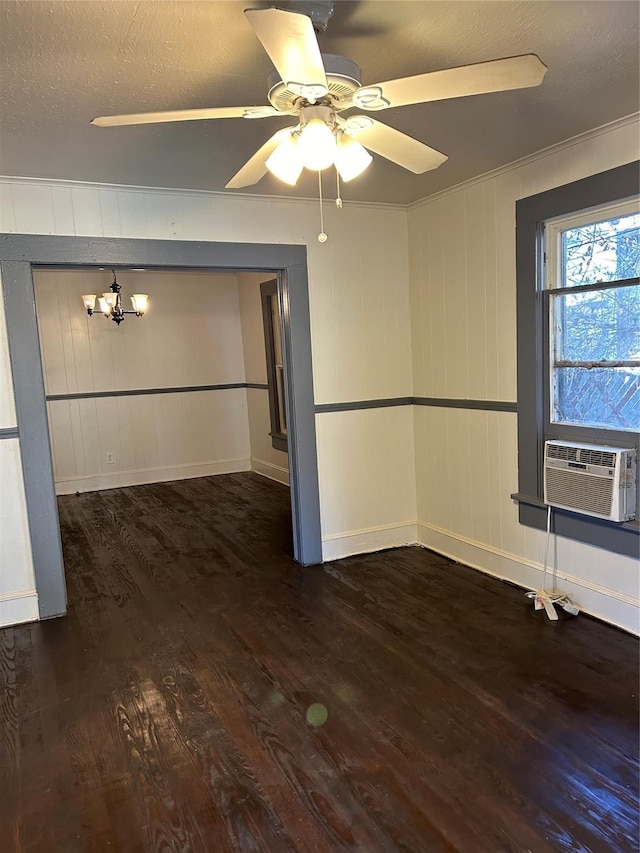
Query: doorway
20, 253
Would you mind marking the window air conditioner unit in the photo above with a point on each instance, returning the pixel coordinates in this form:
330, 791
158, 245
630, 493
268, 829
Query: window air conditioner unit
590, 479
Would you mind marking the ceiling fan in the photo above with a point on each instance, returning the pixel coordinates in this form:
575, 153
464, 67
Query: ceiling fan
316, 89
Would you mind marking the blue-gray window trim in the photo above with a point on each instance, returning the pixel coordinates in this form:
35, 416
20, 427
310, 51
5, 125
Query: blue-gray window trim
531, 213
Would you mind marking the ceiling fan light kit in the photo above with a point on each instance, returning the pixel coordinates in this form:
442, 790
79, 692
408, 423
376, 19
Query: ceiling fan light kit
316, 88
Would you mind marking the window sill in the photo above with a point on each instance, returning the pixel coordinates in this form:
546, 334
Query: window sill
617, 537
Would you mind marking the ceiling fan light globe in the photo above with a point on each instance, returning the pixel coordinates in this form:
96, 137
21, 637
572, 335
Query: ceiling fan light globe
317, 145
351, 158
285, 162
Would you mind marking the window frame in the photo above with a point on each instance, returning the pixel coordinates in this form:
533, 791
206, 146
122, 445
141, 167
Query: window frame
554, 288
533, 371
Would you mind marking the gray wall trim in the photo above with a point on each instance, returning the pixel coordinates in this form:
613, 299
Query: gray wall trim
20, 252
262, 386
357, 405
440, 402
46, 250
9, 432
141, 392
482, 405
35, 451
531, 213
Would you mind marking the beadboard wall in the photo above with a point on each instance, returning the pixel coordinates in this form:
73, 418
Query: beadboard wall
200, 329
463, 328
265, 459
190, 336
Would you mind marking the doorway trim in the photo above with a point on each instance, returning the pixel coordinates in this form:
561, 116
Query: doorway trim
19, 253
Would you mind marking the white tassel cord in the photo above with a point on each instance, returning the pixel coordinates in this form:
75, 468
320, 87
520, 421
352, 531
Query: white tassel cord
322, 237
548, 599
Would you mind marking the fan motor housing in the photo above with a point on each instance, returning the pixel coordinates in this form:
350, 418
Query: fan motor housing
343, 78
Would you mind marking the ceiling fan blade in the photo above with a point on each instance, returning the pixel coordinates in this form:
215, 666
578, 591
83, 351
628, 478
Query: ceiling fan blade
290, 41
394, 145
187, 115
498, 75
255, 168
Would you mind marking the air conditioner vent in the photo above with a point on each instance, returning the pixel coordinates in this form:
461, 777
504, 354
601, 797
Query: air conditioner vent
597, 457
573, 489
562, 451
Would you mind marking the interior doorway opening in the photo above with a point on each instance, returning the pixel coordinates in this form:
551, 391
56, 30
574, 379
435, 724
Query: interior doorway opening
20, 255
180, 393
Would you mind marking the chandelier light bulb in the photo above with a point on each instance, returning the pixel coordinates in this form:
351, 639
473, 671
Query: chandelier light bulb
104, 306
285, 162
89, 301
110, 298
317, 145
139, 302
351, 158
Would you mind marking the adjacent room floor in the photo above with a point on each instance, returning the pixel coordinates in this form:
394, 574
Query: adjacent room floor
205, 693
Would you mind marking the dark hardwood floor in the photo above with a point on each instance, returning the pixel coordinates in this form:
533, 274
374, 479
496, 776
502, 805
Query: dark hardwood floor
177, 706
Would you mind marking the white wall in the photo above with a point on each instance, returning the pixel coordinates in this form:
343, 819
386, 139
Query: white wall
359, 304
190, 336
463, 326
265, 459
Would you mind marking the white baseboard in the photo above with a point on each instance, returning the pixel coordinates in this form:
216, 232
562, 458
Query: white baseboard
268, 469
18, 607
365, 541
120, 479
607, 604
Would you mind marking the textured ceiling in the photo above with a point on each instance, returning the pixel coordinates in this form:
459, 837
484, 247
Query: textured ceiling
62, 63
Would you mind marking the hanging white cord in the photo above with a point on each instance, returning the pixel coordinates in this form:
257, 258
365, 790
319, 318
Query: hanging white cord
322, 237
546, 550
542, 597
338, 198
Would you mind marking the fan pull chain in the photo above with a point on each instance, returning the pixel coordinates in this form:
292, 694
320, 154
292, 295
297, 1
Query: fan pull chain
338, 199
322, 237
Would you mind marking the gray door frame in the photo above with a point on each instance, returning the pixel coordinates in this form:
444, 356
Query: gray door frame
19, 253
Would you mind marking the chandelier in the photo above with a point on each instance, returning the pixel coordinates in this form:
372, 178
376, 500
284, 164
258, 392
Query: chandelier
110, 303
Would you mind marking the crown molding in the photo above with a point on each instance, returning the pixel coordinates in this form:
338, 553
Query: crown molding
530, 158
210, 194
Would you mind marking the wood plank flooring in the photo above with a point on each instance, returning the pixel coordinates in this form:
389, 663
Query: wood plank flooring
176, 707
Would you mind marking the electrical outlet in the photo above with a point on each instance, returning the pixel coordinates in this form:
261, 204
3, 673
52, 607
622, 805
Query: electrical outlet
110, 457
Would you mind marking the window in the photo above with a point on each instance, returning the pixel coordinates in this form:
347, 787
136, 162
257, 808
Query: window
275, 365
578, 304
593, 305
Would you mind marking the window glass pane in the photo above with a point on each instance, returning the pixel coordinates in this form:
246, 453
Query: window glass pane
602, 251
598, 397
601, 325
